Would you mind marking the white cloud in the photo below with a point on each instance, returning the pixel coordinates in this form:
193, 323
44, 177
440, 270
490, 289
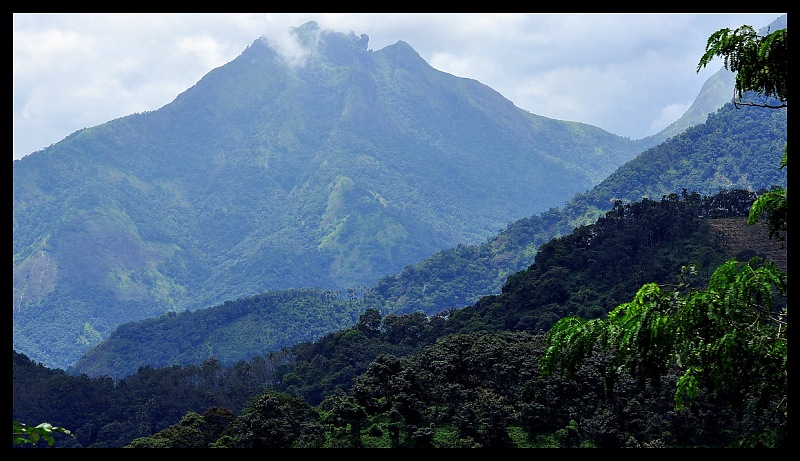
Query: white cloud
285, 43
669, 114
204, 48
626, 73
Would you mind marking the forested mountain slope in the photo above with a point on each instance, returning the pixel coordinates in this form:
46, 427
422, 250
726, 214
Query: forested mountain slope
468, 351
583, 273
586, 273
736, 148
716, 92
691, 359
232, 331
328, 172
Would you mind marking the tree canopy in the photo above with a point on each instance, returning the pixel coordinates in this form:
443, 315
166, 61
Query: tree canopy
761, 63
730, 338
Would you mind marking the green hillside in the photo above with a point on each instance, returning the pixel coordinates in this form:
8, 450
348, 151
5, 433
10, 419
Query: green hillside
268, 175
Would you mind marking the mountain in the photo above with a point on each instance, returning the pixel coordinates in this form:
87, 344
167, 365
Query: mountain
735, 149
716, 92
598, 265
469, 382
326, 172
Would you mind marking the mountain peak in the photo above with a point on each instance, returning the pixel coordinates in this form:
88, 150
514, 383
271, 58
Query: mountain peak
307, 161
307, 34
310, 33
310, 26
309, 40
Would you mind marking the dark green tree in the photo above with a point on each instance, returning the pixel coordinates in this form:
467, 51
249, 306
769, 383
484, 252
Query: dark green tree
761, 65
276, 420
193, 431
345, 417
730, 338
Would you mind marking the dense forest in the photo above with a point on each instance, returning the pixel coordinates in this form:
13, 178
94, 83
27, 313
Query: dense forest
662, 324
462, 378
460, 276
736, 148
267, 176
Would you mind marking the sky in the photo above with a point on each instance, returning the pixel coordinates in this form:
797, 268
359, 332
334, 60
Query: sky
631, 74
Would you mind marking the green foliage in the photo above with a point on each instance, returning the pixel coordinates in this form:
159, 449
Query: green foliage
569, 437
150, 400
683, 364
235, 188
31, 435
193, 431
229, 332
344, 417
734, 149
728, 338
599, 266
277, 420
761, 63
773, 205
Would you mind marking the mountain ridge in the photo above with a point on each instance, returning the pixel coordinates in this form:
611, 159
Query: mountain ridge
327, 173
698, 161
177, 217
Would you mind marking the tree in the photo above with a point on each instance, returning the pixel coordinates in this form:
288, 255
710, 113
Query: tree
342, 412
276, 420
761, 65
193, 431
730, 338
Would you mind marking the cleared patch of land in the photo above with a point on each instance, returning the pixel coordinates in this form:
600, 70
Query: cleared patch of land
744, 241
